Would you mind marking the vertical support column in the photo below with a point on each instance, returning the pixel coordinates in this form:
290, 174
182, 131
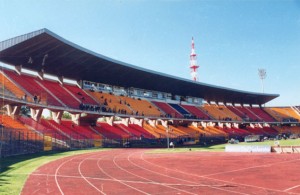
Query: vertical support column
125, 121
138, 122
12, 110
236, 125
56, 116
194, 124
228, 125
75, 118
221, 124
110, 120
152, 123
36, 113
164, 123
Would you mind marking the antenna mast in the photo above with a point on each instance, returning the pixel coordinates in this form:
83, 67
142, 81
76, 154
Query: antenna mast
193, 62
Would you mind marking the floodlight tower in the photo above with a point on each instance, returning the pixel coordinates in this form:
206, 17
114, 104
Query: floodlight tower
193, 62
262, 73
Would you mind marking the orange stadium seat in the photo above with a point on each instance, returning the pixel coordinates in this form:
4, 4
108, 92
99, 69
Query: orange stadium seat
12, 87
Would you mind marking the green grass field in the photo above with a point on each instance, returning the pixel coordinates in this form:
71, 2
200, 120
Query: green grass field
15, 170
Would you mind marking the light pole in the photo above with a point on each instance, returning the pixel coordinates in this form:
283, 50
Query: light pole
262, 73
167, 130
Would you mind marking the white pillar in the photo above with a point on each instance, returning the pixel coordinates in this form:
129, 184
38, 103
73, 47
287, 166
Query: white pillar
75, 118
12, 110
110, 120
36, 113
152, 123
56, 116
125, 121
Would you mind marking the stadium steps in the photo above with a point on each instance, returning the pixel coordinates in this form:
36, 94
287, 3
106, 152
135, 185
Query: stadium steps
52, 130
200, 129
296, 110
56, 137
131, 131
168, 109
142, 106
215, 131
206, 112
262, 114
120, 132
55, 92
257, 117
196, 111
13, 86
213, 111
80, 94
178, 131
105, 135
180, 109
112, 102
153, 131
229, 113
63, 130
140, 129
71, 94
84, 131
244, 113
96, 132
236, 111
110, 132
174, 133
278, 117
17, 126
5, 92
33, 88
190, 132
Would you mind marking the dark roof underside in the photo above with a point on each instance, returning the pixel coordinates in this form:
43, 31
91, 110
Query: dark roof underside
72, 61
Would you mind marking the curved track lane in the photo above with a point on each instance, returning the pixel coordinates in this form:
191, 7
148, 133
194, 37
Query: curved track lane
133, 171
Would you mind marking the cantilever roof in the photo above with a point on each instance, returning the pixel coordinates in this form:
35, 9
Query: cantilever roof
64, 58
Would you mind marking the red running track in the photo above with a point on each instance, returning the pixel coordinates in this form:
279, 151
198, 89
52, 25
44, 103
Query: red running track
134, 171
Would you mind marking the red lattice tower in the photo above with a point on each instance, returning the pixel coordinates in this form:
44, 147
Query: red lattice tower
193, 62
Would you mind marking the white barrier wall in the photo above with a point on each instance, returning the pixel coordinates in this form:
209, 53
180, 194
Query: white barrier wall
245, 148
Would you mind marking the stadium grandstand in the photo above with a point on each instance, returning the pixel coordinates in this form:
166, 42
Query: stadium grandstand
109, 103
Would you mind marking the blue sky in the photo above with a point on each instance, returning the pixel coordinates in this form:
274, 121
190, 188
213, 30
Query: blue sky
233, 39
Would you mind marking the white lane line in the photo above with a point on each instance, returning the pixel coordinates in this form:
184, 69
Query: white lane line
152, 182
114, 179
56, 173
200, 176
57, 169
210, 186
85, 178
288, 189
246, 168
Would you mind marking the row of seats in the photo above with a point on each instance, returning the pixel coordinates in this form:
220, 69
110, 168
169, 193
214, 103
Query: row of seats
52, 93
169, 110
143, 107
48, 92
68, 130
283, 114
8, 85
18, 128
196, 111
32, 87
